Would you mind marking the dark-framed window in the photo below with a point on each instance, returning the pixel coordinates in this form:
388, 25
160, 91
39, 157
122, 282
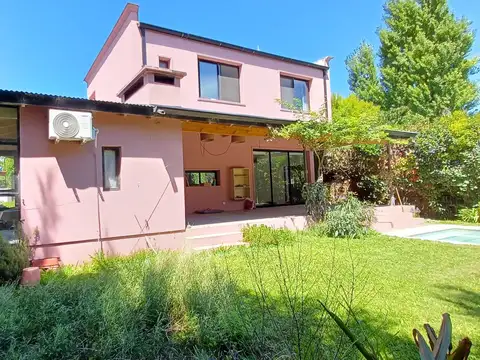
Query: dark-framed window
111, 163
164, 63
9, 172
294, 92
164, 79
219, 81
202, 177
133, 89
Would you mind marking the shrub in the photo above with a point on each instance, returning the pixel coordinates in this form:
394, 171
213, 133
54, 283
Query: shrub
317, 200
262, 235
470, 215
349, 218
13, 259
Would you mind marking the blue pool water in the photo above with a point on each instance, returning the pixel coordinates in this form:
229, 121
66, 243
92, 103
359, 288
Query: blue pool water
464, 236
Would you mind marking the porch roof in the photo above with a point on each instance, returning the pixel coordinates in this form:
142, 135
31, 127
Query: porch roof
11, 97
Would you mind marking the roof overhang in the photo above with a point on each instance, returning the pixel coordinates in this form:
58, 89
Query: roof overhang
322, 66
151, 70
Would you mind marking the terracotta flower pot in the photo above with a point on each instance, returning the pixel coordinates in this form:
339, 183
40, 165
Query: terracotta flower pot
30, 276
47, 263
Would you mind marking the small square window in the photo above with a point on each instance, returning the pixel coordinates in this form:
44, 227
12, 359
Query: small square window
111, 168
202, 178
164, 64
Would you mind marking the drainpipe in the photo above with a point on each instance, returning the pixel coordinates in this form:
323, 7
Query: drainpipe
326, 86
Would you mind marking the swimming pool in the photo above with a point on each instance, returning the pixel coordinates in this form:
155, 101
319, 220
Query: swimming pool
455, 234
464, 236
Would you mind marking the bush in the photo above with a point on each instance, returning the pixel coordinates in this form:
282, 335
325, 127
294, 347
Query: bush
262, 235
470, 215
317, 200
349, 218
13, 259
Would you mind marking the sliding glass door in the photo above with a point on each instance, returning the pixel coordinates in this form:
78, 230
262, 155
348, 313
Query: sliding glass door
279, 177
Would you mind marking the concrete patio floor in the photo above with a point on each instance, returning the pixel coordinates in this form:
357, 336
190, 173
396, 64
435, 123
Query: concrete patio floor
246, 216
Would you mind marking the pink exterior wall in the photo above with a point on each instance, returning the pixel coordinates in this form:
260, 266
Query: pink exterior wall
238, 155
259, 77
119, 60
62, 193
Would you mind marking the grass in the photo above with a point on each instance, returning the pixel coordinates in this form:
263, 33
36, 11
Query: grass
453, 222
249, 302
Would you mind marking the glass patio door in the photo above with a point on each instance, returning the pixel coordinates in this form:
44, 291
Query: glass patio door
279, 177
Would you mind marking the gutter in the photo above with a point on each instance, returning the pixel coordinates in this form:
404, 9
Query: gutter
229, 46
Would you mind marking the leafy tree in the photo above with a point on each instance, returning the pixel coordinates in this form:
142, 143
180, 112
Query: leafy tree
424, 58
320, 135
444, 166
362, 74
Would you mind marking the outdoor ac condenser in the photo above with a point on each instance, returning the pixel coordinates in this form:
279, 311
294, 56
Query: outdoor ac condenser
70, 125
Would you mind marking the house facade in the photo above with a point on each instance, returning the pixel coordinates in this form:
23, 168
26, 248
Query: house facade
181, 127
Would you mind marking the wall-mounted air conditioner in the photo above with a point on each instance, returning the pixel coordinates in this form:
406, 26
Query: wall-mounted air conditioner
70, 125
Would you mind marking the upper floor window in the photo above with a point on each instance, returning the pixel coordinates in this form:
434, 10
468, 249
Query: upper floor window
164, 63
219, 81
294, 92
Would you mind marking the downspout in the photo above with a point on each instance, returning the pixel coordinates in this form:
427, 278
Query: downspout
326, 77
325, 74
144, 46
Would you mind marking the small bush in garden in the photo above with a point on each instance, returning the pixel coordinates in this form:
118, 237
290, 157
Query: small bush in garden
262, 235
349, 218
317, 200
13, 259
470, 215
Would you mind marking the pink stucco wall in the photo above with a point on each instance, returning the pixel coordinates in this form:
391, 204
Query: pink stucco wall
238, 155
62, 193
119, 60
259, 77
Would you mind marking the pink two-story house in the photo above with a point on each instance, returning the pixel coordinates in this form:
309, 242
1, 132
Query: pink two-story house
182, 126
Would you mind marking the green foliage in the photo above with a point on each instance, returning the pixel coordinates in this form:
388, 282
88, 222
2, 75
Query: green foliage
424, 58
233, 304
317, 200
373, 189
349, 218
445, 164
13, 259
362, 75
316, 133
424, 64
263, 235
470, 215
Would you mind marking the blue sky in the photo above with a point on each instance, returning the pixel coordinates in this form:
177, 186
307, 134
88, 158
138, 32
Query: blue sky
48, 46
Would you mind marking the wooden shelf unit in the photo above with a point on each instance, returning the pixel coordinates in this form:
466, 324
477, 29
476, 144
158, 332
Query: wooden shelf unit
240, 183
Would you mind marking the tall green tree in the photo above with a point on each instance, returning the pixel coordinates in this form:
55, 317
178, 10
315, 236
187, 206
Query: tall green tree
424, 58
362, 74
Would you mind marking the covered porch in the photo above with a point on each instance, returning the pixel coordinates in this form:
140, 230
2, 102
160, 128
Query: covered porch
226, 165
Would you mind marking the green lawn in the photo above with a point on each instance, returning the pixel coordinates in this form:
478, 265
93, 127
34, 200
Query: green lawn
248, 302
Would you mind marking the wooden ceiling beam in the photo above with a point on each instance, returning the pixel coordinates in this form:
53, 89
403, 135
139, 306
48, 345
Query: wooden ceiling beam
221, 129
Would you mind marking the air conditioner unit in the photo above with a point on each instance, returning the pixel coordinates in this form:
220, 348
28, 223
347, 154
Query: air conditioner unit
70, 125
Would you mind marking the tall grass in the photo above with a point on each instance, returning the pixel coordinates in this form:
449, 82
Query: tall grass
257, 302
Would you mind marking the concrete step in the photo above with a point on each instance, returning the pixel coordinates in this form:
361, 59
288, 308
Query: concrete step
212, 240
405, 209
384, 226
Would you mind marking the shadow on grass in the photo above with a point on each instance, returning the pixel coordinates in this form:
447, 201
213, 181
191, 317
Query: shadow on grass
172, 306
467, 300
